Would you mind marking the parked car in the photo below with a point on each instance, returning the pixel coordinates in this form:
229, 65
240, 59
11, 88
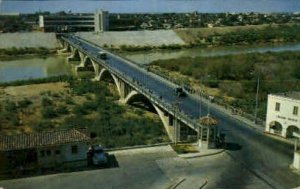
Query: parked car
97, 156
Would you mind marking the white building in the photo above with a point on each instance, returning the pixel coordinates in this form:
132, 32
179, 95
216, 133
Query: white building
98, 22
283, 115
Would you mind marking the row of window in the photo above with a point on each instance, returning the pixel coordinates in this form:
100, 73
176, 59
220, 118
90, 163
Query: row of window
43, 153
295, 109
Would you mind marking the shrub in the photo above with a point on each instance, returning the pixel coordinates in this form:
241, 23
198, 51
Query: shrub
62, 110
70, 100
24, 103
49, 112
44, 125
46, 101
10, 106
80, 110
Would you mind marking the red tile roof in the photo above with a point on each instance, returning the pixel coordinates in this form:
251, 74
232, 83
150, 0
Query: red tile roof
42, 139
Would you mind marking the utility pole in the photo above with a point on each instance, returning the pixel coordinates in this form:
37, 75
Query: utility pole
0, 6
256, 101
200, 114
176, 108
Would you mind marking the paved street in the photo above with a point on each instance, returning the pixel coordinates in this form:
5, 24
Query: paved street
154, 168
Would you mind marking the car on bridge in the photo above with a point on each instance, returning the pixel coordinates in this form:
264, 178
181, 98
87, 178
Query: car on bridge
180, 92
102, 55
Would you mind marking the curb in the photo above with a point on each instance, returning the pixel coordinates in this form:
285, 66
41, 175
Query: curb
202, 155
178, 183
204, 184
137, 147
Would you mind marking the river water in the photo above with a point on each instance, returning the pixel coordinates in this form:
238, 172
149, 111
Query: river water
148, 57
30, 68
135, 6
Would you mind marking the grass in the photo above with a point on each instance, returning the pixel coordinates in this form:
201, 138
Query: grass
184, 148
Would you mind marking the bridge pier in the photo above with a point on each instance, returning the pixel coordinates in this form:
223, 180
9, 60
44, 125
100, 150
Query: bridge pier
65, 47
74, 55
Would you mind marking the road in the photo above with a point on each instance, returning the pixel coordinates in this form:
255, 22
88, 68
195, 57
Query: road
153, 168
264, 157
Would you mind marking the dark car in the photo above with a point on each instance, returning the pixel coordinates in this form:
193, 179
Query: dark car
180, 92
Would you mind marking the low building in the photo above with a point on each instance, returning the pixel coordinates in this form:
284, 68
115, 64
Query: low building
44, 149
283, 116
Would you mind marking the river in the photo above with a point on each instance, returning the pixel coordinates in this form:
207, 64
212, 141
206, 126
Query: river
148, 57
153, 6
33, 67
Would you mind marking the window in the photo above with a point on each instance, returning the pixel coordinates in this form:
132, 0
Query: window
295, 110
277, 107
57, 152
48, 152
42, 153
74, 149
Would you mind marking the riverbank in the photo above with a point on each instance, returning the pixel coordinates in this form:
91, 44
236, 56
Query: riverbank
26, 51
199, 37
28, 40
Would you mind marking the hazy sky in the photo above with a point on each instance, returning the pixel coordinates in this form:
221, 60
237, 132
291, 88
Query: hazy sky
27, 6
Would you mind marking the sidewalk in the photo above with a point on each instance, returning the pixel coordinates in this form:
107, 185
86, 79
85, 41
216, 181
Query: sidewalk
202, 153
228, 112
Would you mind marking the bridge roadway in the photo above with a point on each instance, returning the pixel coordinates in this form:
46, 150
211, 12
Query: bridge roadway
266, 158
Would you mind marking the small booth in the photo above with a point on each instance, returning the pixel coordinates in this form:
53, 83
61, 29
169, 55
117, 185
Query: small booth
208, 132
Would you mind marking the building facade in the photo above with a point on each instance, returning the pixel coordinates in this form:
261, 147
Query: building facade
72, 22
283, 115
48, 149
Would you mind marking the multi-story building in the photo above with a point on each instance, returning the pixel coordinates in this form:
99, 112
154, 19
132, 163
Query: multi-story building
283, 115
97, 22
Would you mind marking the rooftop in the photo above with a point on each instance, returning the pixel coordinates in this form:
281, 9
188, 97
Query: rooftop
292, 95
42, 139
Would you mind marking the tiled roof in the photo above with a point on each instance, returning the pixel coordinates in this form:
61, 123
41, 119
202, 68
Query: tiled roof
35, 140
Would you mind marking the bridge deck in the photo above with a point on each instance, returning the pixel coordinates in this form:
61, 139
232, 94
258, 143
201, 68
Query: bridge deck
147, 82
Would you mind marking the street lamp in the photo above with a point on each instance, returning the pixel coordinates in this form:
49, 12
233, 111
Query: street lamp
256, 101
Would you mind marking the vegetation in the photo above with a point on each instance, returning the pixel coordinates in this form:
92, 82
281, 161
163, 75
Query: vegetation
236, 75
185, 148
13, 24
38, 81
83, 104
9, 52
135, 48
224, 36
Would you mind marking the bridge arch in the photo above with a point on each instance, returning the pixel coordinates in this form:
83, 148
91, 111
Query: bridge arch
75, 53
87, 63
104, 73
134, 96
